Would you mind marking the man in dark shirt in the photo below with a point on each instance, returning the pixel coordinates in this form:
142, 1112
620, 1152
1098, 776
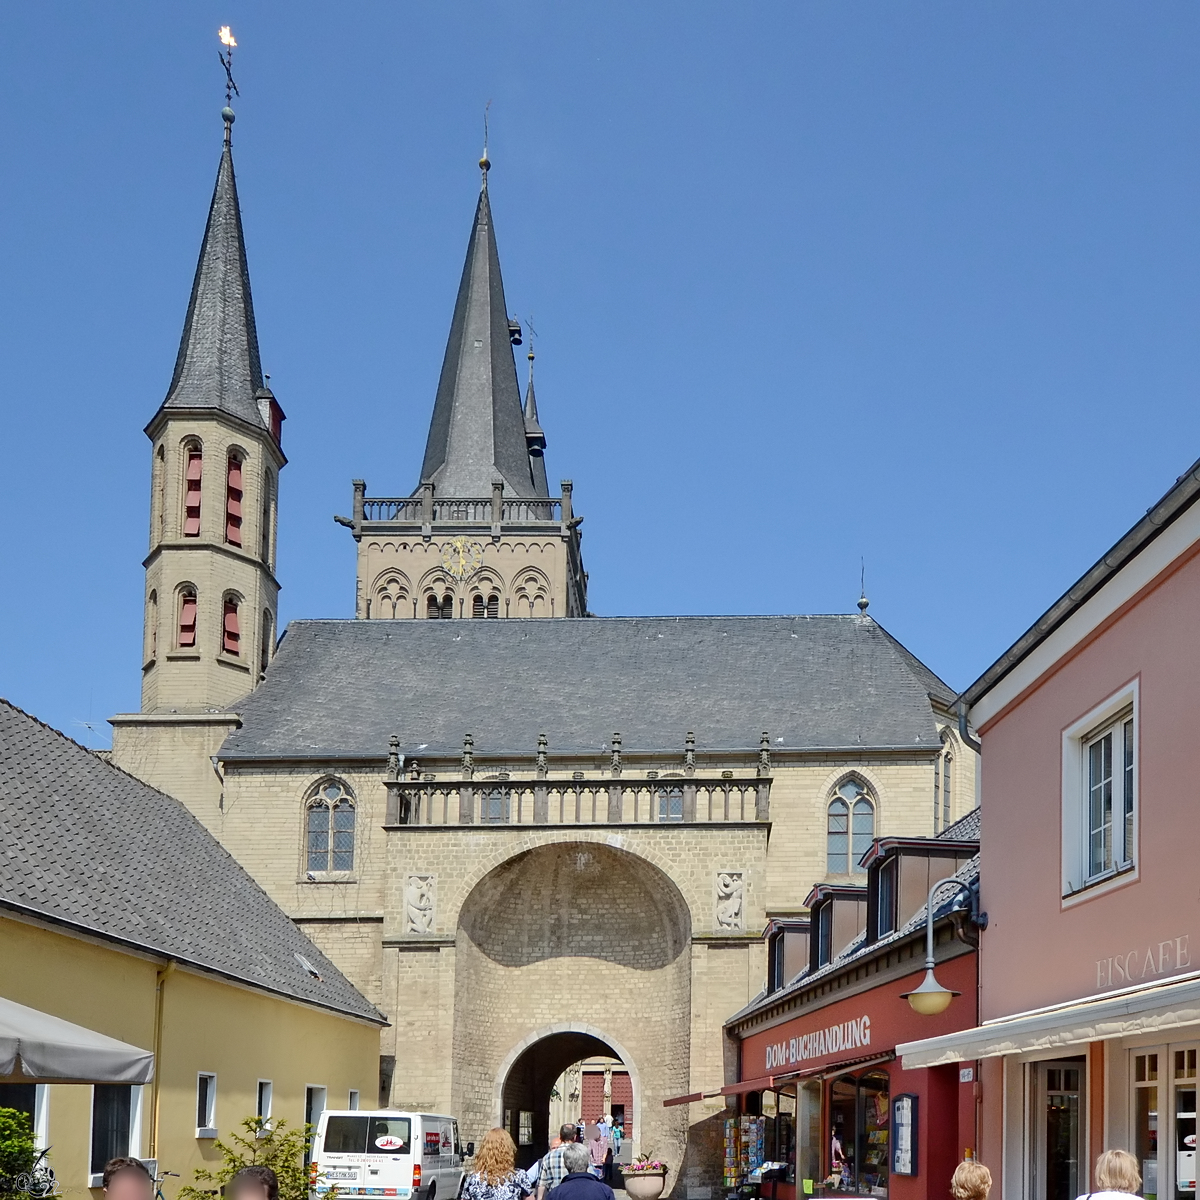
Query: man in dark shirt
580, 1183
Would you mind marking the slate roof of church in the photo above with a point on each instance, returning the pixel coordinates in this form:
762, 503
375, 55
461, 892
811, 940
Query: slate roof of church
339, 689
477, 432
89, 847
218, 365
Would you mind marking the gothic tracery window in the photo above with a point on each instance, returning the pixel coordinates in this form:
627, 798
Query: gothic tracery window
670, 803
330, 829
850, 828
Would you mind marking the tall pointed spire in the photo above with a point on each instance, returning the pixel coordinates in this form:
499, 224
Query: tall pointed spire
477, 433
218, 365
535, 437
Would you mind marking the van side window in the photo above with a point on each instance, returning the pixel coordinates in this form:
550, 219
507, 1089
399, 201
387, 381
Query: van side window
389, 1135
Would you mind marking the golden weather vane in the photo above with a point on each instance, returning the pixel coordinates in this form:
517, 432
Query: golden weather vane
226, 57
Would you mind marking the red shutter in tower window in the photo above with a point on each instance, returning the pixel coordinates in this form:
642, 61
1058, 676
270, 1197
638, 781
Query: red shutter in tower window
232, 639
233, 503
187, 620
191, 501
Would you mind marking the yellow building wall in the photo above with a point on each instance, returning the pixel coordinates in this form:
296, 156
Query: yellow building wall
211, 1026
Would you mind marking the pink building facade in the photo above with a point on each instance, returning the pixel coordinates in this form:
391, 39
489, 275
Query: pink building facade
1090, 862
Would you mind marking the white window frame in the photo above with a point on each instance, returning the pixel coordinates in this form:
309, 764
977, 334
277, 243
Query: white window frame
352, 1100
1078, 884
208, 1130
264, 1089
41, 1118
133, 1149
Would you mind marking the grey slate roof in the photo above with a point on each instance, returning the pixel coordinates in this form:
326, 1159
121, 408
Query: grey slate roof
340, 688
535, 438
218, 364
478, 430
83, 843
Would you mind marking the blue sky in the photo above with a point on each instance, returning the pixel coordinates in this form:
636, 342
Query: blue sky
815, 282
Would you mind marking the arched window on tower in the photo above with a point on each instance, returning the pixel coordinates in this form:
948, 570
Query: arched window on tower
268, 636
268, 517
329, 818
187, 617
231, 636
193, 470
158, 522
233, 500
442, 609
850, 828
152, 627
477, 606
493, 605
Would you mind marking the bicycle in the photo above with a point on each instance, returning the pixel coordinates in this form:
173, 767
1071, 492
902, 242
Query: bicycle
158, 1182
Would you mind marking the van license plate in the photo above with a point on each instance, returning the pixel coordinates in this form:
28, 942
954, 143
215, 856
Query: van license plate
344, 1173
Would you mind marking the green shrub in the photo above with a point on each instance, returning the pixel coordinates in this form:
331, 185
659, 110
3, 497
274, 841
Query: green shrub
266, 1144
16, 1151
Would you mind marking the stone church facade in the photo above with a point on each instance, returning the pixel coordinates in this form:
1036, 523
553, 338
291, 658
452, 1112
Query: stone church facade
530, 835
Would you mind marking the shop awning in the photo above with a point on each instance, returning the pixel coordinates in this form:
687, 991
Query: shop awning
1146, 1010
36, 1047
747, 1085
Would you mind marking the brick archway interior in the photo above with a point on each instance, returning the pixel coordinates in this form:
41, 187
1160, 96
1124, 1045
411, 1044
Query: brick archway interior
527, 1085
563, 952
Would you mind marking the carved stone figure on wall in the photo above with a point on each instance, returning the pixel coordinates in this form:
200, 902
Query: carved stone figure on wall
419, 903
729, 900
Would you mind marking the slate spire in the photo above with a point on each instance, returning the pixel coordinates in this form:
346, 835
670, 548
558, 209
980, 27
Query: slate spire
477, 433
218, 365
535, 437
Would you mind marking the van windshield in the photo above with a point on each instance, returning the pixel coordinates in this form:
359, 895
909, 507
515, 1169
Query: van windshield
368, 1135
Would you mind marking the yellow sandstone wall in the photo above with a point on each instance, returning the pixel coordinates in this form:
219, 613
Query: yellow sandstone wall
238, 1034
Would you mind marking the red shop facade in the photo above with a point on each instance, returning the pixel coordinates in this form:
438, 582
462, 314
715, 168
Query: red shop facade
820, 1091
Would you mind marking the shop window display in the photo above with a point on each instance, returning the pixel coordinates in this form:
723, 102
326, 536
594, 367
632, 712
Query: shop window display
1145, 1121
1185, 1122
860, 1115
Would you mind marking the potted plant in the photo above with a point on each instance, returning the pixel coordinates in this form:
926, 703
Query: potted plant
645, 1178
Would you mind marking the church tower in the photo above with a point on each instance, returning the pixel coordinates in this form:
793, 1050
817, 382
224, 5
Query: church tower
482, 536
211, 592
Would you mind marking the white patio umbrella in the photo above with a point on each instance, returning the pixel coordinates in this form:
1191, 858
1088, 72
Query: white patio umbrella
36, 1047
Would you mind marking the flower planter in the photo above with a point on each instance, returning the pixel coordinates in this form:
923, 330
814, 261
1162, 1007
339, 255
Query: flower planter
644, 1185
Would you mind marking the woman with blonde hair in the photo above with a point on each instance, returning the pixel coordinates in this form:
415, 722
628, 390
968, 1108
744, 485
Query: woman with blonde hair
496, 1176
971, 1181
1117, 1176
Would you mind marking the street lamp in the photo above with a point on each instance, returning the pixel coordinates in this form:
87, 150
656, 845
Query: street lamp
931, 998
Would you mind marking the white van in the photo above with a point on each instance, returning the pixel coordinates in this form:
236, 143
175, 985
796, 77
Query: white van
411, 1156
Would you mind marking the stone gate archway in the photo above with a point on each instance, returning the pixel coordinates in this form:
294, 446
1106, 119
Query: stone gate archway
564, 951
526, 1076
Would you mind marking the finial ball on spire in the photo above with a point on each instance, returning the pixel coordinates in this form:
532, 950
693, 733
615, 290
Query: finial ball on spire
485, 163
228, 115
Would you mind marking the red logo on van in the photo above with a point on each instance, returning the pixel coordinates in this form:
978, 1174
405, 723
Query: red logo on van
389, 1141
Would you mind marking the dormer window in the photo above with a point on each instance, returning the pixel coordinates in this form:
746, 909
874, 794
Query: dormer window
885, 903
824, 923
